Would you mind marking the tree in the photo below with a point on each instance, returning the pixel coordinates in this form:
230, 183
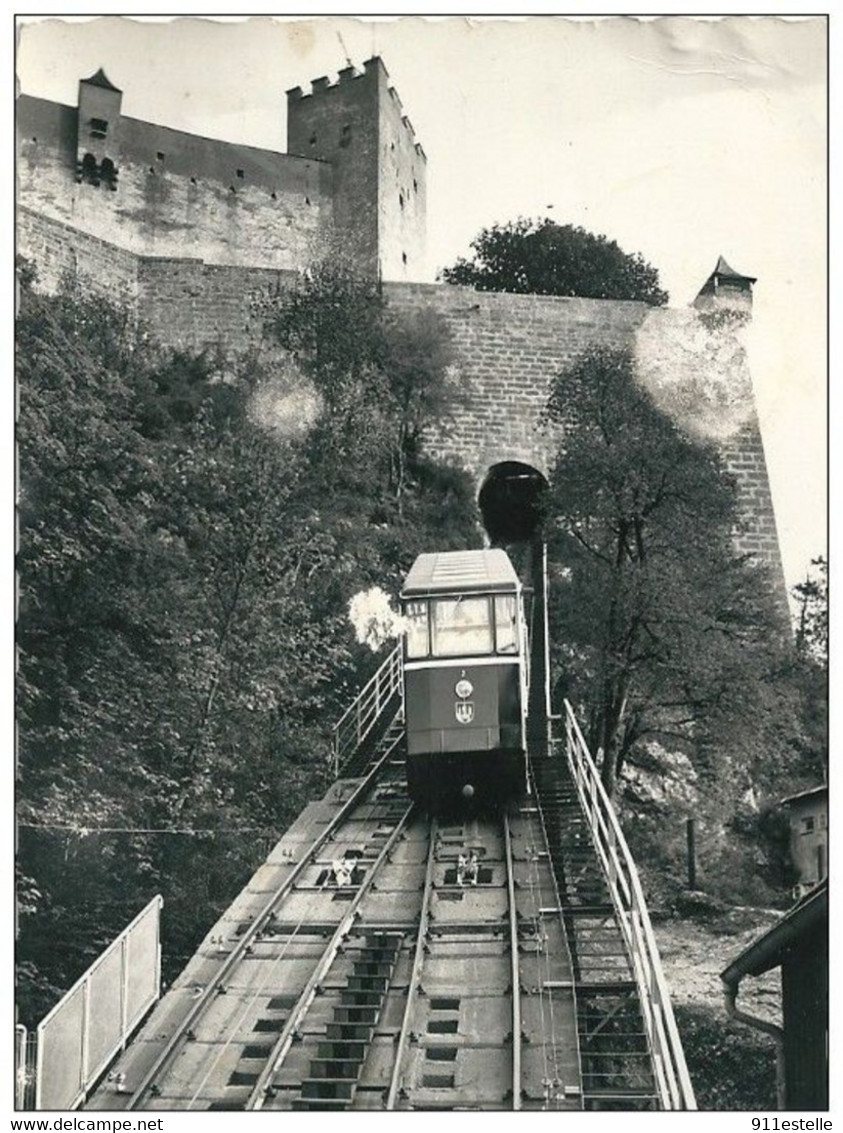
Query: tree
812, 628
180, 637
383, 377
540, 257
810, 669
664, 629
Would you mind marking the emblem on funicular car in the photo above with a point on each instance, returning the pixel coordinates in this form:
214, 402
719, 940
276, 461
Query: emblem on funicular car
463, 689
464, 710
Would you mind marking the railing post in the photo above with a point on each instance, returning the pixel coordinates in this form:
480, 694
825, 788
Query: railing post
86, 1036
610, 848
124, 991
692, 853
21, 1068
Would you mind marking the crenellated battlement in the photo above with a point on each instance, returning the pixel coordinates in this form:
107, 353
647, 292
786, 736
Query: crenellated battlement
357, 124
346, 75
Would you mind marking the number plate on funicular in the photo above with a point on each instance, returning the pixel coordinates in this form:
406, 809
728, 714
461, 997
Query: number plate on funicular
464, 711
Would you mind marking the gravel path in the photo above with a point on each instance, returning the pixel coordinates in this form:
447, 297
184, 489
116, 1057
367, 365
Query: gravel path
694, 954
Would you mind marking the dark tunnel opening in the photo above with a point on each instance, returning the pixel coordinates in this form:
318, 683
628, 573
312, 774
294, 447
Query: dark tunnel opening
512, 503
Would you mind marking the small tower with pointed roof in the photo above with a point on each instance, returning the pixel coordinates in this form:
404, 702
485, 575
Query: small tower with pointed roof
98, 130
726, 291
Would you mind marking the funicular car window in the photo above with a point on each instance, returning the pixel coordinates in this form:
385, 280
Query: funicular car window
418, 644
506, 623
461, 626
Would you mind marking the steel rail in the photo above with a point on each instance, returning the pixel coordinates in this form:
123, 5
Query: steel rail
418, 964
516, 975
168, 1053
560, 914
285, 1039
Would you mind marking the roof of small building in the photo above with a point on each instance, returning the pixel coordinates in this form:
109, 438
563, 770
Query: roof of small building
769, 949
453, 572
101, 79
725, 272
821, 790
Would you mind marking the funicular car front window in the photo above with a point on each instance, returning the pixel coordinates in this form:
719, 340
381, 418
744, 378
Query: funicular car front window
418, 644
461, 626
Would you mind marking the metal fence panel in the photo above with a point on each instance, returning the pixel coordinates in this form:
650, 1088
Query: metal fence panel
105, 1024
143, 967
84, 1031
60, 1053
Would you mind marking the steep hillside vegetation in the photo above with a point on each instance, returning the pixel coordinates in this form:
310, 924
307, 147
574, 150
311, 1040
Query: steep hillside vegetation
192, 529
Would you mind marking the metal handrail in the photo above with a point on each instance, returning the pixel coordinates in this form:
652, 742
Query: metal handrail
364, 711
673, 1081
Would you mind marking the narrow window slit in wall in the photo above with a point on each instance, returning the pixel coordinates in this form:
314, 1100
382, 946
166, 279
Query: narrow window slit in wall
88, 171
108, 173
241, 174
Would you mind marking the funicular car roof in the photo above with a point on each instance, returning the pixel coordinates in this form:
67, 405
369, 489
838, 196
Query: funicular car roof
457, 572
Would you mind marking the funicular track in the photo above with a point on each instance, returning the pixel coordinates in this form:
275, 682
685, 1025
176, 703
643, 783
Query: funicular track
404, 983
402, 989
243, 985
410, 987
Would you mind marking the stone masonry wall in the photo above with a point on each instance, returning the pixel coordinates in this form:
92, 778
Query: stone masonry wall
192, 305
63, 254
508, 349
230, 204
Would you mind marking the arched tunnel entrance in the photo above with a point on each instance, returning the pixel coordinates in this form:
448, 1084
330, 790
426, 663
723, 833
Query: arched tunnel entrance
512, 502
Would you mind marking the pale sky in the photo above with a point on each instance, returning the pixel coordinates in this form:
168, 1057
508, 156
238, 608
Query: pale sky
681, 138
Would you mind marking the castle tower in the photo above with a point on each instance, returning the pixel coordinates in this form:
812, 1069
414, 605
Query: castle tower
725, 299
98, 130
726, 291
358, 126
